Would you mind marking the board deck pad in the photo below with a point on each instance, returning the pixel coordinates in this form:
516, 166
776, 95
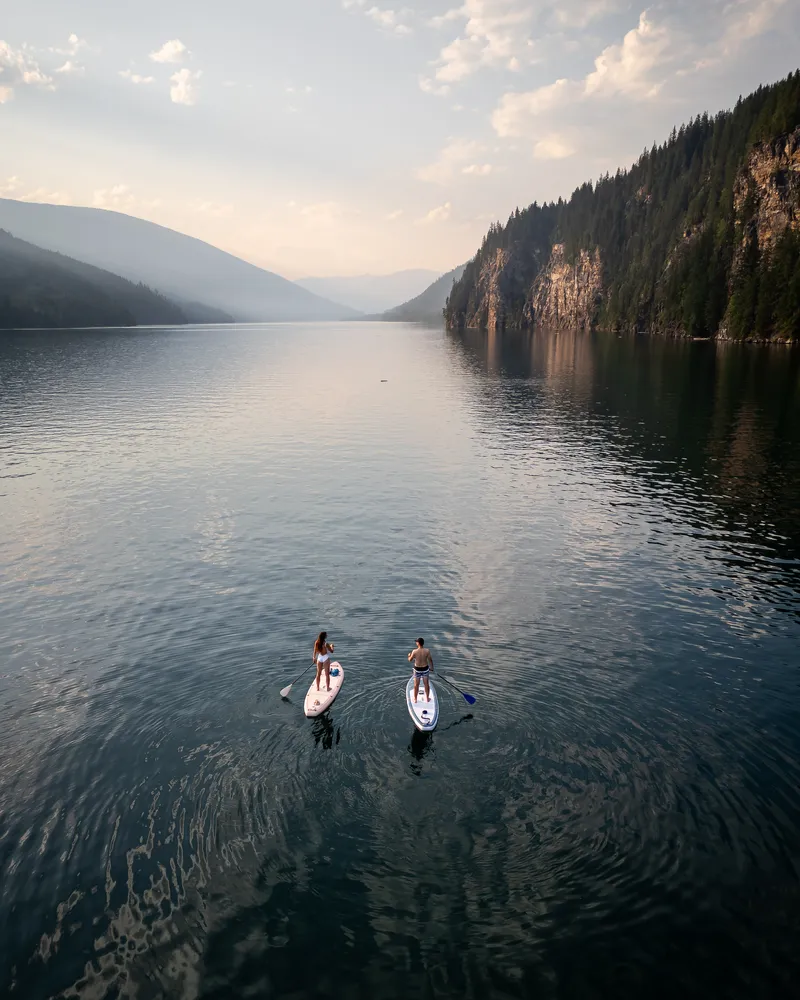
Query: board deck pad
320, 701
424, 713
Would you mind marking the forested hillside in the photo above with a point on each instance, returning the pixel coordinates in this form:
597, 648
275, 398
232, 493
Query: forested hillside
700, 237
39, 288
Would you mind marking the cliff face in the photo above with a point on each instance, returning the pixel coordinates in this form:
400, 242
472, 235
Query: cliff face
701, 237
566, 296
499, 283
767, 191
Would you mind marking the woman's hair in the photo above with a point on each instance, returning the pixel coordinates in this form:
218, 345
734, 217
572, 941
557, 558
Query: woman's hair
321, 639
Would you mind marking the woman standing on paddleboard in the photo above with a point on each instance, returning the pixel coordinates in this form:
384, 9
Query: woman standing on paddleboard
322, 658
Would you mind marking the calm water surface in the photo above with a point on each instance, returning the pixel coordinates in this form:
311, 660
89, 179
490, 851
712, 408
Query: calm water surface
600, 537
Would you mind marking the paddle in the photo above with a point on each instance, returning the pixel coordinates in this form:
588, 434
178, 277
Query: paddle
285, 691
467, 697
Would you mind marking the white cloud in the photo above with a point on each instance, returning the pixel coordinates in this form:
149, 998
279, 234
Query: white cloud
428, 86
439, 214
184, 86
496, 34
118, 196
172, 51
128, 74
121, 198
73, 47
384, 17
634, 67
553, 147
18, 68
71, 69
451, 157
748, 20
12, 188
477, 170
511, 115
394, 216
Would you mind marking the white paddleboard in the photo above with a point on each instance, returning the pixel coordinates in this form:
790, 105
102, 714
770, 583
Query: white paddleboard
424, 713
320, 701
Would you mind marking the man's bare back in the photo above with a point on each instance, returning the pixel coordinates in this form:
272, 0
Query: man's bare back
423, 665
421, 658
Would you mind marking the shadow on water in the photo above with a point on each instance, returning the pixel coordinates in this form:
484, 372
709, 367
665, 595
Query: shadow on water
420, 747
325, 732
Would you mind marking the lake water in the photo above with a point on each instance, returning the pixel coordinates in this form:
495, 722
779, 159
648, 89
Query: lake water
599, 537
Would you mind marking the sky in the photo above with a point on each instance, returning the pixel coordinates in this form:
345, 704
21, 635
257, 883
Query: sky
341, 137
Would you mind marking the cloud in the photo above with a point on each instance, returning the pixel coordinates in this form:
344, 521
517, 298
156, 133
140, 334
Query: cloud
394, 216
496, 34
477, 170
119, 196
428, 86
661, 48
173, 51
385, 18
635, 66
553, 147
74, 45
510, 116
18, 68
450, 158
184, 89
128, 74
71, 69
12, 188
439, 214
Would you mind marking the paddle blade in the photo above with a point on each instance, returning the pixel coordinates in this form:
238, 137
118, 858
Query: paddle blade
467, 697
285, 691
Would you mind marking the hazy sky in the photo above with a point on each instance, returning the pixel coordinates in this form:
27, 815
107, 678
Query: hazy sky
346, 136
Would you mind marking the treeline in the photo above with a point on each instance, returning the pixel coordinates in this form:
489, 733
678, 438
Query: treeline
677, 255
39, 288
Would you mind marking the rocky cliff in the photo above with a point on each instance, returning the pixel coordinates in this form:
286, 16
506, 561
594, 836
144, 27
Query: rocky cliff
564, 295
767, 191
700, 237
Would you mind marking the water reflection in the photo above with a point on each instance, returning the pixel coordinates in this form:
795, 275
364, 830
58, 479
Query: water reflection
599, 534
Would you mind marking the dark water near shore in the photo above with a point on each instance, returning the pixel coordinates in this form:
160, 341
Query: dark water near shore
600, 537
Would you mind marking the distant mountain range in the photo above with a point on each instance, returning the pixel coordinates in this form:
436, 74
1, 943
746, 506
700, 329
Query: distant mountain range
429, 306
207, 284
372, 293
39, 288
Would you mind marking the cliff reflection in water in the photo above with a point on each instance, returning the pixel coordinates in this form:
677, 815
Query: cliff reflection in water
720, 419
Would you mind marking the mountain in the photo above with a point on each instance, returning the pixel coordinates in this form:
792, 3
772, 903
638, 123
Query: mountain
39, 288
700, 237
371, 293
428, 306
181, 267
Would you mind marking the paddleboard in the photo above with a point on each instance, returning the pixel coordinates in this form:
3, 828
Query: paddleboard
320, 701
424, 713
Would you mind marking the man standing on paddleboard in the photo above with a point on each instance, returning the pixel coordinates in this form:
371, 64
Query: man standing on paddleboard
423, 667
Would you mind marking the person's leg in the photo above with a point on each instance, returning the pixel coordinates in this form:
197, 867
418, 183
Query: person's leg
328, 673
416, 687
427, 688
319, 673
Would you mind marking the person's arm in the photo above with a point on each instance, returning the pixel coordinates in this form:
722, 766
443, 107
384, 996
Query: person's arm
430, 661
410, 655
